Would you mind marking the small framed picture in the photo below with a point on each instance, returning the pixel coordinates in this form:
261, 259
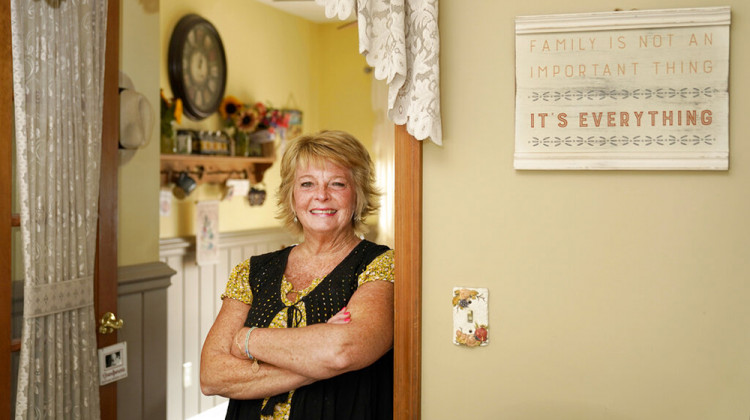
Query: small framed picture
295, 123
113, 363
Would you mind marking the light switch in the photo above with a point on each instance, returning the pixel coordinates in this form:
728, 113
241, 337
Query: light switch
470, 318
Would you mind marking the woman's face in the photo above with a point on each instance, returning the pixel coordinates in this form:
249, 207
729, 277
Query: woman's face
324, 198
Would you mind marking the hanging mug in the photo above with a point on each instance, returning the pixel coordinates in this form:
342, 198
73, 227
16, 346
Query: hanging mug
184, 185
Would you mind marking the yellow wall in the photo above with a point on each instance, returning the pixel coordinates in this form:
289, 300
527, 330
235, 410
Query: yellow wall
612, 295
281, 59
345, 83
268, 54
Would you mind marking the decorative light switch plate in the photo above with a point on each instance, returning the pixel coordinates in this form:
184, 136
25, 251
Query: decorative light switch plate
470, 319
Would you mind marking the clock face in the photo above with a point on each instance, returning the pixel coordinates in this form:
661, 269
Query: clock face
197, 66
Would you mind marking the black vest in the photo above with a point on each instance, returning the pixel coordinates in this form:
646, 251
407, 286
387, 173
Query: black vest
365, 394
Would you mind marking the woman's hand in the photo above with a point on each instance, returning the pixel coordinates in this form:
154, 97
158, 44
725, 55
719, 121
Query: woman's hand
342, 317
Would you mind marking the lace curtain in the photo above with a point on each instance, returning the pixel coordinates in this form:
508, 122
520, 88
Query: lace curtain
58, 71
400, 39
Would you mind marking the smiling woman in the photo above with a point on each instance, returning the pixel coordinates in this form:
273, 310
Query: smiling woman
333, 148
337, 285
324, 198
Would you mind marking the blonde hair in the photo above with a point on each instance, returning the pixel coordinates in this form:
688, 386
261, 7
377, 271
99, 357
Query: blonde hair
337, 147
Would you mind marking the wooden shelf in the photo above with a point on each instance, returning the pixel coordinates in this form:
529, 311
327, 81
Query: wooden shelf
217, 169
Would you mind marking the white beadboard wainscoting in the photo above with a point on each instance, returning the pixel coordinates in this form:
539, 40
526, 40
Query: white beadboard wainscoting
193, 303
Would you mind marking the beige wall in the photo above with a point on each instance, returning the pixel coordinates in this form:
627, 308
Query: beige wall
138, 181
613, 295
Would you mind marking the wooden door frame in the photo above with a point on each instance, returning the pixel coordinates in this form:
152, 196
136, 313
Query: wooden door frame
105, 265
407, 340
6, 190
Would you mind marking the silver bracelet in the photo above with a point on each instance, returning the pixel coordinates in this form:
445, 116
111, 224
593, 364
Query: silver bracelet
247, 341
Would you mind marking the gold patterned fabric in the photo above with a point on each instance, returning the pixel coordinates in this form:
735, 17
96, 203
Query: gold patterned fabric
381, 268
238, 287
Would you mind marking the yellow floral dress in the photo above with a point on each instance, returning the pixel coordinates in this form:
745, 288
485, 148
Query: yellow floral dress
238, 287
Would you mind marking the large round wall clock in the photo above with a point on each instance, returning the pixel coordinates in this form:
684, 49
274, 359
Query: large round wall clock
197, 66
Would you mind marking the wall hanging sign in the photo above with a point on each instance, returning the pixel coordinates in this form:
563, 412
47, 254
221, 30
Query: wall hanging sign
641, 89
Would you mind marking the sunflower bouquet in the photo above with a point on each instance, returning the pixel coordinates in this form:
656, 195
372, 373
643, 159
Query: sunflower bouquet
171, 111
258, 122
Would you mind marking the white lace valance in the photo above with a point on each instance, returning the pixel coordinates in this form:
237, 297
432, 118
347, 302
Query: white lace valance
400, 39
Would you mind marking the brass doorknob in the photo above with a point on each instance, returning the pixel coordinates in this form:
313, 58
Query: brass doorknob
109, 323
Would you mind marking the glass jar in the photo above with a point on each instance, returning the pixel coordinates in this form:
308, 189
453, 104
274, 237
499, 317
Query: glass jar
241, 143
167, 146
183, 142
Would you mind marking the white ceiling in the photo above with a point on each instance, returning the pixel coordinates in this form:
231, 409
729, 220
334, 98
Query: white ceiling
307, 9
